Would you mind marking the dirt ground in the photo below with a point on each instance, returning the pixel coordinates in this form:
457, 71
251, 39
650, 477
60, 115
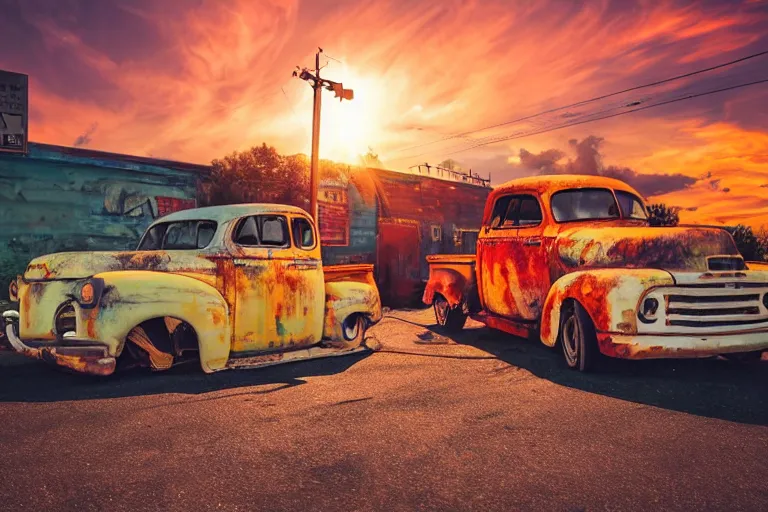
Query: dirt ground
477, 421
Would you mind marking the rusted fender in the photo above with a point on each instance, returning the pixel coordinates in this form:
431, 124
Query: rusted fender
344, 298
452, 276
610, 297
133, 297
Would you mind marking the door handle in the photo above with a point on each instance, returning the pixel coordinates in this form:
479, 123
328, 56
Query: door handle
532, 242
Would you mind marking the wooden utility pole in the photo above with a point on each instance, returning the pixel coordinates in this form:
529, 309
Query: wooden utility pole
318, 85
314, 171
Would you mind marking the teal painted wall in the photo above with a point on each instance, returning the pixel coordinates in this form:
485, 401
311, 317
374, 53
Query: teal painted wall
63, 199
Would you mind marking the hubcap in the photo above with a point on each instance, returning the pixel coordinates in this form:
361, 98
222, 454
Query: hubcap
571, 338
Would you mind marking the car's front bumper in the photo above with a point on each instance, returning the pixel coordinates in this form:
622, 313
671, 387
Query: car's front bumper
656, 346
84, 356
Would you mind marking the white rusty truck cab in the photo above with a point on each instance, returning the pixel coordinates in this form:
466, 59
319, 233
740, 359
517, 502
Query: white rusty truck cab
238, 285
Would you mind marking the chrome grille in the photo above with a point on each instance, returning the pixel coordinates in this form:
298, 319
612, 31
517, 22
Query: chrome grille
716, 306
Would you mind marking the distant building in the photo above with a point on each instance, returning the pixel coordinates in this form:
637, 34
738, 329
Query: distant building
395, 220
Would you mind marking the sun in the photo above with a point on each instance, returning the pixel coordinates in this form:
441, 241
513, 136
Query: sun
349, 128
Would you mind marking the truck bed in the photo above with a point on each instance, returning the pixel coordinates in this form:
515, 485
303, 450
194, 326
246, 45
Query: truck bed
452, 276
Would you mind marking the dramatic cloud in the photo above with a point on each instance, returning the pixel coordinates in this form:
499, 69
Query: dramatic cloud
196, 79
589, 160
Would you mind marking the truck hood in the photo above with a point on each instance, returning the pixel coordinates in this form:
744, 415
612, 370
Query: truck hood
679, 248
79, 265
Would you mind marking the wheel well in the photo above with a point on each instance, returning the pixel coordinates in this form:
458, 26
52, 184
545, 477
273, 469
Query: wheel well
167, 334
567, 304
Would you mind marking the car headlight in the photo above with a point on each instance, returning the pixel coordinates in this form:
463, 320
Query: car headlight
13, 291
89, 293
648, 310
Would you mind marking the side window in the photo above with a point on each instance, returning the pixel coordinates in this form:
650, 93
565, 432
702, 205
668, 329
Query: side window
303, 237
247, 232
503, 210
530, 212
274, 232
205, 232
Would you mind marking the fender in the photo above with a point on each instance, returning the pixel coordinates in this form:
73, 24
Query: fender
344, 298
447, 282
610, 297
132, 297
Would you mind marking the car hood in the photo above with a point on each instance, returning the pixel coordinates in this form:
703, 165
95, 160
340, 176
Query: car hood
79, 265
678, 248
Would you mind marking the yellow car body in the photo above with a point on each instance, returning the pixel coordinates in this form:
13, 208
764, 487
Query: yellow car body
234, 284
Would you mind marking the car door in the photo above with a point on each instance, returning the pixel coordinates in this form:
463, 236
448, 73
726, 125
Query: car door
495, 270
277, 294
530, 259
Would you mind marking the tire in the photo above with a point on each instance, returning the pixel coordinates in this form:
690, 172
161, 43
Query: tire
578, 339
745, 357
353, 332
452, 319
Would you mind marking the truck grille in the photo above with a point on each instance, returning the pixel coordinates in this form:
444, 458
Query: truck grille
716, 306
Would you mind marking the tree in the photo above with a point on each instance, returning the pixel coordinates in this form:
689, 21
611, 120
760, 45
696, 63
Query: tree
660, 214
262, 175
749, 245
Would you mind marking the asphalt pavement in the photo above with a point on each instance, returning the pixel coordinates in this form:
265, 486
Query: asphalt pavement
481, 421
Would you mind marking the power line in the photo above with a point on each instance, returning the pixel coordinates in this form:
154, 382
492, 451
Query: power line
687, 97
584, 102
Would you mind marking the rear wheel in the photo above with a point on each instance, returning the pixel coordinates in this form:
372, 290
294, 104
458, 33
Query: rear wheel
578, 338
353, 331
453, 319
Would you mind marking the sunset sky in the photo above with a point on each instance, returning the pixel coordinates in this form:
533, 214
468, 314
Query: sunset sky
193, 80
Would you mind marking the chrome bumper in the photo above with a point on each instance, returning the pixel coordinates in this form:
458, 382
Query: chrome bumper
91, 359
654, 346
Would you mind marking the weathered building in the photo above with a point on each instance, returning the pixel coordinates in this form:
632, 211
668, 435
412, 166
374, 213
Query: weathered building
57, 198
395, 220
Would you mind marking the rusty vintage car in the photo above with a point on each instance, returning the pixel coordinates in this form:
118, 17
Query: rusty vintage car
233, 286
572, 260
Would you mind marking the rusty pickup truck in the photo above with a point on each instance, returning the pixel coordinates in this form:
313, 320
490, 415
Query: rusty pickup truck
232, 286
573, 261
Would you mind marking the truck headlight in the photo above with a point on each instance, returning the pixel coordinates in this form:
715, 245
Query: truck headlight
89, 293
648, 310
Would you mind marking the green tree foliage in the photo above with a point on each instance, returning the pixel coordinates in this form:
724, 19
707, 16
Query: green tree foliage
751, 246
262, 175
660, 214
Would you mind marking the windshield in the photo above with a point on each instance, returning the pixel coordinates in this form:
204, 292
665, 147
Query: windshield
188, 234
631, 206
584, 204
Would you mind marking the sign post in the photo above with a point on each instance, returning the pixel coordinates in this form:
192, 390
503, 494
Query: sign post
14, 110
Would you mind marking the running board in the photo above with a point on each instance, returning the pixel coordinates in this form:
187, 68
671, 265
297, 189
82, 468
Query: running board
289, 357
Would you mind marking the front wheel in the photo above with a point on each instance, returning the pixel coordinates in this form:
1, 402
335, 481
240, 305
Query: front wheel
578, 339
452, 319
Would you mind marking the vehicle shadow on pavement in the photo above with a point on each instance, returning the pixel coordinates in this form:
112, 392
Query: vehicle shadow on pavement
711, 387
33, 381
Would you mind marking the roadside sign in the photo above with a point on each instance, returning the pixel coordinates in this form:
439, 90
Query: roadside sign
14, 109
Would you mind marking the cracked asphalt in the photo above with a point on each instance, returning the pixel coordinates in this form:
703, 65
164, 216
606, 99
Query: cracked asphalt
477, 421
